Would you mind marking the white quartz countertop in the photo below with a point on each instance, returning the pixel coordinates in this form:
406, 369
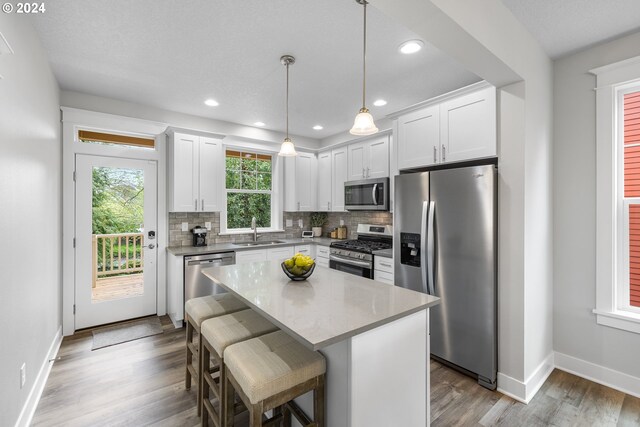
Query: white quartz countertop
226, 247
328, 307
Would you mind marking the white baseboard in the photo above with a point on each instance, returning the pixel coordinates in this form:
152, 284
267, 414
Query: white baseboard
29, 408
524, 391
598, 374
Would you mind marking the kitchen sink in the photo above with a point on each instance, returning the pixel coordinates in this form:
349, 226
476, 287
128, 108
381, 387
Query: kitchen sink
263, 243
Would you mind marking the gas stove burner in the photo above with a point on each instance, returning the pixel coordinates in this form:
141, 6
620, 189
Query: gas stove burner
366, 246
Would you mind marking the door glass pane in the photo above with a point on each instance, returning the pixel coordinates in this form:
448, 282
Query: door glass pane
117, 233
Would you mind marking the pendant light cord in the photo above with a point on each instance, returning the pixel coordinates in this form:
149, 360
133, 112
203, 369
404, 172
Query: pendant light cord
287, 100
364, 56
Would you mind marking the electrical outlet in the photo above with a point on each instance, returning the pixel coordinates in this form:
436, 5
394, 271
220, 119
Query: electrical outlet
185, 226
341, 222
300, 224
207, 225
289, 223
23, 374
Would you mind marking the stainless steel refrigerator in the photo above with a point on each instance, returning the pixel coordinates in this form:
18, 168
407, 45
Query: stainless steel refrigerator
445, 244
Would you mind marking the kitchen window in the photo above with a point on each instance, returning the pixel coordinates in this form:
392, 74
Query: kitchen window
618, 195
249, 190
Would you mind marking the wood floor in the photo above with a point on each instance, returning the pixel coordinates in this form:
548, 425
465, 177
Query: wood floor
141, 383
116, 287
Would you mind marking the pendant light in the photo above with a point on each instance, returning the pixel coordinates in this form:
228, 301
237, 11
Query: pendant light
287, 149
363, 124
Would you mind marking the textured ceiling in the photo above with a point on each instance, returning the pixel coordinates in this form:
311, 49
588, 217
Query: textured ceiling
565, 26
175, 54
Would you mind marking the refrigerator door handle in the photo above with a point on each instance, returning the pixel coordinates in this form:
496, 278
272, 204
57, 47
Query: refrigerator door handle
373, 194
423, 246
431, 248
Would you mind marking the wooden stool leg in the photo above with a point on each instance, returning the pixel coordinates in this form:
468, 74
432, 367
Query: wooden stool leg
286, 416
318, 402
187, 375
255, 416
200, 377
203, 388
228, 399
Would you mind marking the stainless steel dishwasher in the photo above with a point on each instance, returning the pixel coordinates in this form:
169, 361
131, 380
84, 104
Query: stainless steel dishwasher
197, 284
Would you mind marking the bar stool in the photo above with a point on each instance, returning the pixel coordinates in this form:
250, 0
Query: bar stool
196, 311
268, 372
217, 334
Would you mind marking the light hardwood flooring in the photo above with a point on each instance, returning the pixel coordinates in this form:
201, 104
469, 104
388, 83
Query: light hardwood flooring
141, 383
117, 287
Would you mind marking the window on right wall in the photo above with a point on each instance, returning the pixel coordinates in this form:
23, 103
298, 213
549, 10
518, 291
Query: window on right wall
618, 195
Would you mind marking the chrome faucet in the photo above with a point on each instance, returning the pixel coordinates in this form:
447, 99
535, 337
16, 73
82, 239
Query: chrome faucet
254, 227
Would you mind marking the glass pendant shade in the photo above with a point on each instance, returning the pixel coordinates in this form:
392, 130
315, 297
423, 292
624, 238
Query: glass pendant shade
287, 149
363, 124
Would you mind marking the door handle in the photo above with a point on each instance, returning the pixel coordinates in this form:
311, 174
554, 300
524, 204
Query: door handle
431, 248
423, 246
150, 246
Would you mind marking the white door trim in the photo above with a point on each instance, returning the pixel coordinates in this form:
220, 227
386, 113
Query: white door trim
72, 120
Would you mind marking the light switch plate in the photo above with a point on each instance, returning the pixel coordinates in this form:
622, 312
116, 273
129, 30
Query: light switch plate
207, 225
185, 226
300, 224
289, 223
341, 222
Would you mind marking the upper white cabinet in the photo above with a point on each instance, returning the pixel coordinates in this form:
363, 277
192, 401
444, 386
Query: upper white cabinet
325, 177
300, 175
462, 126
339, 167
369, 159
418, 138
468, 126
196, 167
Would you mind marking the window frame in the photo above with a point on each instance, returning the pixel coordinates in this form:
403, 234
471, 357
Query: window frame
612, 224
276, 193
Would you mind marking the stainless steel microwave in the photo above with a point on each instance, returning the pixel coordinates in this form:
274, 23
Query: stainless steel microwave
367, 195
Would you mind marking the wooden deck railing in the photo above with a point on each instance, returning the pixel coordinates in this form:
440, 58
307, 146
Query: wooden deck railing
114, 254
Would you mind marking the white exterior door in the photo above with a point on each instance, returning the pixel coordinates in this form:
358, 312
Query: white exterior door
115, 234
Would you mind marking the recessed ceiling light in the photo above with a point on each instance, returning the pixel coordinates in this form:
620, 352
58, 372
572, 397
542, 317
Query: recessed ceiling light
380, 102
211, 103
317, 127
411, 46
259, 124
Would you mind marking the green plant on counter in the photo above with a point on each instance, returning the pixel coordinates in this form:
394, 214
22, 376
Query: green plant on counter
318, 219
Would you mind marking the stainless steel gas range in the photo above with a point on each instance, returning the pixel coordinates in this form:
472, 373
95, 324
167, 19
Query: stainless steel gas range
356, 256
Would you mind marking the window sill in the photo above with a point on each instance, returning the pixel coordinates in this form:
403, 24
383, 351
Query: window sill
624, 320
260, 231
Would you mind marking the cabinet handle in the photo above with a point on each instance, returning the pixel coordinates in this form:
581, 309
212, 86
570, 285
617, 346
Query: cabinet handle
328, 206
363, 173
367, 172
385, 265
298, 205
435, 154
444, 157
202, 206
196, 204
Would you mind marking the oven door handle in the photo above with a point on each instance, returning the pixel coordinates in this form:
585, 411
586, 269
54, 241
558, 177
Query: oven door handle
350, 261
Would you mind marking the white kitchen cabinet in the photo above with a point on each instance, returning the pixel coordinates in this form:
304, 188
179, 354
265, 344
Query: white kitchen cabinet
256, 255
369, 159
322, 256
340, 171
468, 126
462, 126
175, 289
324, 182
418, 138
196, 166
383, 270
300, 180
305, 250
280, 254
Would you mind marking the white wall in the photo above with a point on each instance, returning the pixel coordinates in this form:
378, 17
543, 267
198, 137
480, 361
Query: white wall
122, 108
575, 330
30, 196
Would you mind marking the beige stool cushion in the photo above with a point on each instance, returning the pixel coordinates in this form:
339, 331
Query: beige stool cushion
232, 328
203, 308
271, 364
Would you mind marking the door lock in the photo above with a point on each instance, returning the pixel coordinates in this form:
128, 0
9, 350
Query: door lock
150, 246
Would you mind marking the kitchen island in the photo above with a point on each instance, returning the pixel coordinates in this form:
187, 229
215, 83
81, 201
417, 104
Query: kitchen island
373, 335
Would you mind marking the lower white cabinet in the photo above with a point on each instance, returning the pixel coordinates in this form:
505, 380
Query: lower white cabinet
280, 254
305, 250
383, 270
257, 255
175, 289
322, 256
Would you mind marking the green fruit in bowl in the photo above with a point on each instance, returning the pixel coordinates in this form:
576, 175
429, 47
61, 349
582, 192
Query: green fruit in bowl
289, 263
296, 271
